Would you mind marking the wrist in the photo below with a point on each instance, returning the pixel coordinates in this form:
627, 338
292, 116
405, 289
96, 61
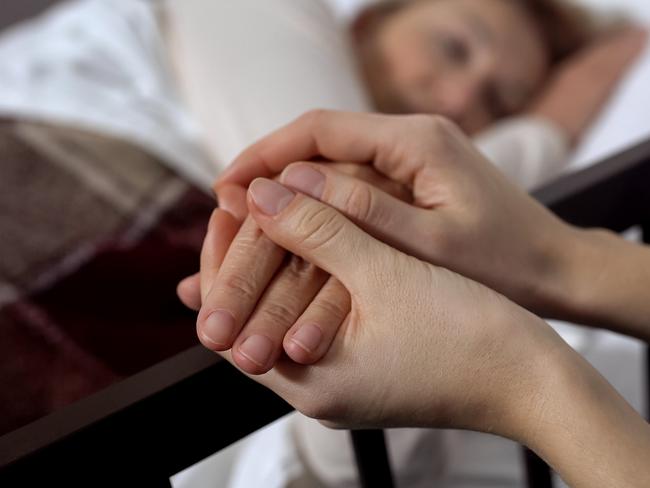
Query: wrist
600, 280
585, 265
538, 371
559, 373
512, 394
582, 427
575, 262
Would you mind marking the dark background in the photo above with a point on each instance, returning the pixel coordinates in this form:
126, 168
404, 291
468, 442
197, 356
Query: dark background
14, 10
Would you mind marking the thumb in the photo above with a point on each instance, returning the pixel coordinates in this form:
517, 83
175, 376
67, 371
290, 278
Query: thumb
316, 232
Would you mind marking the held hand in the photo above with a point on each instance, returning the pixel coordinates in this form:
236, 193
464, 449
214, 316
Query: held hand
246, 279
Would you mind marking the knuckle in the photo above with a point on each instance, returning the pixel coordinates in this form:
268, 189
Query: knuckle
435, 128
439, 124
359, 202
332, 306
319, 229
444, 243
277, 313
314, 117
240, 288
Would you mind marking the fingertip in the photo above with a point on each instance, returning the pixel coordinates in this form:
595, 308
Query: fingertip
208, 344
249, 366
305, 344
216, 329
299, 354
189, 293
305, 178
269, 197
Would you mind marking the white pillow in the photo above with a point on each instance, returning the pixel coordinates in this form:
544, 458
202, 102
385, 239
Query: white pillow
247, 67
346, 9
624, 122
635, 9
626, 118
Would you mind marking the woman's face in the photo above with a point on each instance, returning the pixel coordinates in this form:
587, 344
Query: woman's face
473, 61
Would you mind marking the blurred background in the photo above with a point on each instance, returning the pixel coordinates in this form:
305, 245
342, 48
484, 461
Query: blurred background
116, 116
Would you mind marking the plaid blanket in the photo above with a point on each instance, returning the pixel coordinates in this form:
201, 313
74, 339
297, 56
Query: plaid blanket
94, 235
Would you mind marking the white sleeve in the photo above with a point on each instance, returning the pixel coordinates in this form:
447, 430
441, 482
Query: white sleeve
529, 150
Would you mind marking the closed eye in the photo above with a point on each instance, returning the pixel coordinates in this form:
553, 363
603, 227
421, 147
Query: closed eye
456, 50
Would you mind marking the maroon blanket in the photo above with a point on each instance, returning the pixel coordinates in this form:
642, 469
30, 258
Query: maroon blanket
94, 235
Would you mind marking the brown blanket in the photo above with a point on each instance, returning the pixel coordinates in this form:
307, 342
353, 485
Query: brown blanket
94, 235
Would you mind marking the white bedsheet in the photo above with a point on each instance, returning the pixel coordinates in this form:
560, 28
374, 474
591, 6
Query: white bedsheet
100, 65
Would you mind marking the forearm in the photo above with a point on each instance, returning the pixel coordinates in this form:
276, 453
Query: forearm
580, 89
604, 282
552, 400
574, 112
584, 429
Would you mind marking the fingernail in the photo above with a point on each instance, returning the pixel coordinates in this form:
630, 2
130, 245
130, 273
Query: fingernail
224, 205
269, 196
258, 349
305, 179
219, 327
309, 337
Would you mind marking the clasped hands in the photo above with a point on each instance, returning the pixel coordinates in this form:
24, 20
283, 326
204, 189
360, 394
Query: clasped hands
370, 271
401, 285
